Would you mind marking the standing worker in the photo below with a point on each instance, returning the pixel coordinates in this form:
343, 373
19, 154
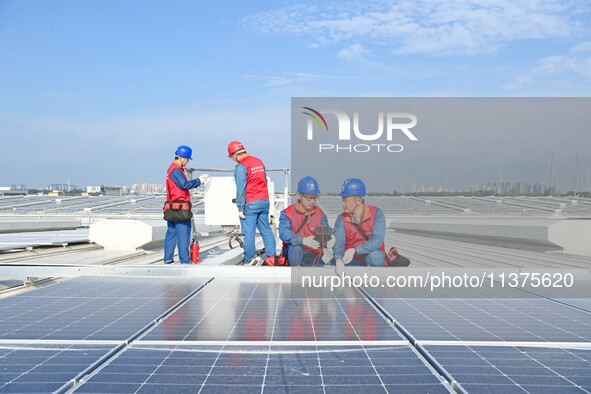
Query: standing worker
177, 189
298, 223
252, 200
360, 230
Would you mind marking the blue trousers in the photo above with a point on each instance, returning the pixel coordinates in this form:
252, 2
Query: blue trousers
257, 216
374, 259
298, 255
181, 232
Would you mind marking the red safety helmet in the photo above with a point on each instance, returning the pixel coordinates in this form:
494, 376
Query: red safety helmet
234, 147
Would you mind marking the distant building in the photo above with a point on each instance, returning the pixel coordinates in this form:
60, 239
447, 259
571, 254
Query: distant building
94, 190
113, 190
62, 187
13, 190
146, 188
104, 190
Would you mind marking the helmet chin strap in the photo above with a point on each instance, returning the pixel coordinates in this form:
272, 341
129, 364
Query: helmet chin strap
355, 209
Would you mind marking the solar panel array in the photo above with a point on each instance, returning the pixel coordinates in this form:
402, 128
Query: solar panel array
203, 335
391, 205
150, 205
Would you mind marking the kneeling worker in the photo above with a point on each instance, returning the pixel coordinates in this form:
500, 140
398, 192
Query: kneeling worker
360, 230
298, 223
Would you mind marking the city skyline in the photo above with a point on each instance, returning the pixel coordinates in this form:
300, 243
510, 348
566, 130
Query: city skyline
508, 187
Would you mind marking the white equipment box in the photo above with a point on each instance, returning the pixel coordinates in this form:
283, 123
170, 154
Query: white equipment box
218, 205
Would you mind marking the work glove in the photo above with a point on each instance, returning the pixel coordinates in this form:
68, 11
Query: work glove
204, 178
242, 215
339, 267
349, 253
311, 242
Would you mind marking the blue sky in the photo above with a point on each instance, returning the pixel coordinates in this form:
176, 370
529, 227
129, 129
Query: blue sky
102, 92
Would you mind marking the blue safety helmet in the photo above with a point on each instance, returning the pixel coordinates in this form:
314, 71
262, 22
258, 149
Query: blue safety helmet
308, 185
184, 151
353, 187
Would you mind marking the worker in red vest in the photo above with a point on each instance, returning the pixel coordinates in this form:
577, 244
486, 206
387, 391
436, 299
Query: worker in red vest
360, 230
177, 189
252, 200
298, 223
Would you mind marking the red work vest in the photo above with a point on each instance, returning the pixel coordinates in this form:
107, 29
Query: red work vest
256, 179
297, 219
353, 237
173, 192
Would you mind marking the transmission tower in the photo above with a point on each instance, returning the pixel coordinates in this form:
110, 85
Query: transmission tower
578, 184
553, 183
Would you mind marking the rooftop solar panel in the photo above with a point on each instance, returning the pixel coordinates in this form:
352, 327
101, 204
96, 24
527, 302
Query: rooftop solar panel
91, 308
581, 303
265, 369
234, 310
43, 368
486, 369
22, 240
490, 319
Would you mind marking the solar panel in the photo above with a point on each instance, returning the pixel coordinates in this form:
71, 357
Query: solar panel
267, 369
581, 303
235, 310
91, 308
22, 240
490, 319
41, 367
499, 369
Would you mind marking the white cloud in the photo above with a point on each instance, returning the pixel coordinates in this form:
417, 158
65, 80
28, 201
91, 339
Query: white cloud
576, 62
582, 47
426, 26
358, 53
354, 51
290, 78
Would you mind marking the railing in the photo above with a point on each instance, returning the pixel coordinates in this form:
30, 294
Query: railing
285, 172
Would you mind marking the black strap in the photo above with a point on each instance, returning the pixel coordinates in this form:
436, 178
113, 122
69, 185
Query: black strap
299, 229
168, 195
180, 202
360, 231
303, 224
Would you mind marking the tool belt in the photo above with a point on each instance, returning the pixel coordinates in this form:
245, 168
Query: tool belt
393, 259
178, 211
